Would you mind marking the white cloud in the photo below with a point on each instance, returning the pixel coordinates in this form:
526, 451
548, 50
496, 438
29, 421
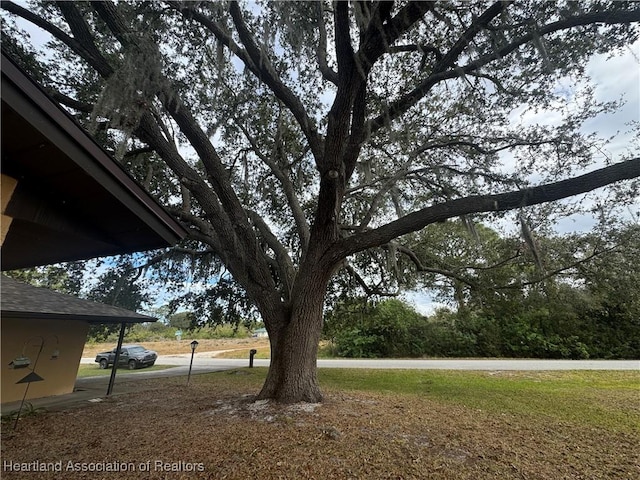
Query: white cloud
423, 302
614, 79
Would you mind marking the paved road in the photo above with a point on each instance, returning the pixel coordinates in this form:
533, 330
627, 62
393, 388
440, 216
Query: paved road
94, 388
204, 362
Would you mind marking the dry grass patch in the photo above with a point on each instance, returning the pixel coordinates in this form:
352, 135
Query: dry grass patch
215, 424
173, 347
261, 352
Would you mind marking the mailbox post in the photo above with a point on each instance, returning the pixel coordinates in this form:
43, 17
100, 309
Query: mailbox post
252, 352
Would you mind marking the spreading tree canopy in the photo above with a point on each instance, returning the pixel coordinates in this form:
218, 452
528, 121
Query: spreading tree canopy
298, 140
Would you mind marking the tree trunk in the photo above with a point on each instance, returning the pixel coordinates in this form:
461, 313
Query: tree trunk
292, 375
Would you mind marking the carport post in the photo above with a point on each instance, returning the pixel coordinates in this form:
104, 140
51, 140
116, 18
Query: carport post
116, 360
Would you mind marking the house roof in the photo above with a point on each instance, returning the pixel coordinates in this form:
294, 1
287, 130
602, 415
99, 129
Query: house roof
72, 201
19, 300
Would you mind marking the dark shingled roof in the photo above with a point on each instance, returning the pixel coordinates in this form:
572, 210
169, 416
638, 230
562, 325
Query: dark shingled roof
19, 300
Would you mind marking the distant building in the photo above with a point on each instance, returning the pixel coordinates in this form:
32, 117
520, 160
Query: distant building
260, 333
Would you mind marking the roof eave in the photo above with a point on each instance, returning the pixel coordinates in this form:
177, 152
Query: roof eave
91, 319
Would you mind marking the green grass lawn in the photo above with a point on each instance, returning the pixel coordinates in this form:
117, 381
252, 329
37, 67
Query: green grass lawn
594, 398
86, 370
608, 399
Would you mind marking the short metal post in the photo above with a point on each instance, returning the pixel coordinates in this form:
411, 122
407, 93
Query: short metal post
252, 352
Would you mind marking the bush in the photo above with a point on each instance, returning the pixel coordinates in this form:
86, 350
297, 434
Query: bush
220, 331
517, 329
158, 331
387, 329
355, 343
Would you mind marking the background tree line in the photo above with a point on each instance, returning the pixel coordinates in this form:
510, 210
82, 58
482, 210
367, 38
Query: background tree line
588, 310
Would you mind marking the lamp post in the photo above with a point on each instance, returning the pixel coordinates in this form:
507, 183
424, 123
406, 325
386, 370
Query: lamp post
194, 344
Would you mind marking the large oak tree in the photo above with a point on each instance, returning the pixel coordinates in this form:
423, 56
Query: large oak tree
298, 140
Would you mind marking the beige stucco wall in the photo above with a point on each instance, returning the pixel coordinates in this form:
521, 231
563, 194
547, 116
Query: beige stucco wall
25, 335
7, 187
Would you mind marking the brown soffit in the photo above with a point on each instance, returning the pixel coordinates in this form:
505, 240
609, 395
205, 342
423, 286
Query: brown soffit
91, 165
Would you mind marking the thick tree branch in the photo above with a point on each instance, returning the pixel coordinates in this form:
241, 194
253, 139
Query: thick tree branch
264, 72
150, 133
98, 62
421, 268
354, 68
408, 100
479, 23
358, 132
83, 35
283, 261
557, 271
344, 49
194, 222
226, 212
188, 125
70, 102
287, 186
382, 32
368, 290
415, 221
321, 51
343, 118
223, 238
270, 77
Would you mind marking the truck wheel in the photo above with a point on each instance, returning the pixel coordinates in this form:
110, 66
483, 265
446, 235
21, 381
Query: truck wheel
103, 364
132, 365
